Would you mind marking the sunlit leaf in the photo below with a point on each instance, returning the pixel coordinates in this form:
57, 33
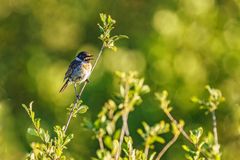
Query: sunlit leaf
32, 132
83, 109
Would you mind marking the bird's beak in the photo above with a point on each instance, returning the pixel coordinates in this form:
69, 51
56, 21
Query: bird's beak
89, 57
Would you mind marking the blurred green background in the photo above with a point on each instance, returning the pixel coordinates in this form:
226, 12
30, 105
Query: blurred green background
178, 45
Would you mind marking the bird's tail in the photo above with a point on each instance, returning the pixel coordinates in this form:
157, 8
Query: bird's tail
64, 86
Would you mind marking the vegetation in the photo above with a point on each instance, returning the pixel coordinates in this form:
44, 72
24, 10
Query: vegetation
177, 46
117, 143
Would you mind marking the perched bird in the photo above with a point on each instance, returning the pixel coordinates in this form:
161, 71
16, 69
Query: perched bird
78, 71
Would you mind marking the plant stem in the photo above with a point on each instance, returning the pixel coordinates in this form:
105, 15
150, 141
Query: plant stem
170, 143
98, 57
146, 150
123, 132
215, 130
125, 113
78, 97
100, 140
180, 128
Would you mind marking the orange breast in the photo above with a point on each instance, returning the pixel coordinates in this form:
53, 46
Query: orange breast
87, 66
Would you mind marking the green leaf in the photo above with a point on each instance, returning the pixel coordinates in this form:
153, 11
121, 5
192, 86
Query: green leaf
83, 109
194, 99
103, 17
140, 132
46, 137
145, 89
146, 126
123, 36
110, 20
128, 139
196, 134
32, 131
26, 108
122, 91
138, 100
159, 139
152, 156
42, 132
110, 128
117, 134
186, 148
188, 157
108, 141
37, 122
115, 147
100, 28
68, 139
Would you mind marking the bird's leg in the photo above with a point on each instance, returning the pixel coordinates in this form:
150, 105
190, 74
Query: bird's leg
75, 89
87, 80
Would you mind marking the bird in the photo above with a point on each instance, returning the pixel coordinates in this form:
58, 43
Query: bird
78, 71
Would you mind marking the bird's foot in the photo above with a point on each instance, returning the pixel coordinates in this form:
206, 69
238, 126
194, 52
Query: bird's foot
87, 80
78, 97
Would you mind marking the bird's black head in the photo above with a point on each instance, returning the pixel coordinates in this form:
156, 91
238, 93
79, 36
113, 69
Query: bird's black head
84, 56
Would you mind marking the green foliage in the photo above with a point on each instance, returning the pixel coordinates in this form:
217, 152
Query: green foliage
117, 143
113, 145
131, 87
209, 145
153, 134
178, 45
195, 135
164, 102
213, 101
105, 28
52, 148
77, 108
49, 148
195, 154
130, 91
203, 148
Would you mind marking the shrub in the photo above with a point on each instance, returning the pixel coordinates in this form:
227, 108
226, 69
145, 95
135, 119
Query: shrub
117, 143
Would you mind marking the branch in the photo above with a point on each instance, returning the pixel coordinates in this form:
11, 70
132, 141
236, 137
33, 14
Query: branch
125, 113
124, 131
180, 128
146, 150
100, 140
170, 143
215, 130
80, 93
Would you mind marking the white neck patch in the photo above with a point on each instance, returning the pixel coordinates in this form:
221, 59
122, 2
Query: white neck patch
78, 59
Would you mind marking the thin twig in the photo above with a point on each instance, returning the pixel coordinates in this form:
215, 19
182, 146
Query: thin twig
146, 150
215, 130
80, 93
170, 143
100, 140
180, 128
73, 108
124, 129
98, 57
123, 132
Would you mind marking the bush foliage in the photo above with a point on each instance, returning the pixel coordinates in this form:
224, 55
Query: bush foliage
116, 143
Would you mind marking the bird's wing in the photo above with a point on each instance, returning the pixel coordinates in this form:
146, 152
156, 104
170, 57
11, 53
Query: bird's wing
68, 73
71, 67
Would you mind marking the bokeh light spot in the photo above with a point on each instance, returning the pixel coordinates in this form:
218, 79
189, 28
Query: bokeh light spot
167, 23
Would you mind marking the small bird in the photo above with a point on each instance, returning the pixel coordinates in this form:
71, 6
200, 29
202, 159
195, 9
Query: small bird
78, 71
